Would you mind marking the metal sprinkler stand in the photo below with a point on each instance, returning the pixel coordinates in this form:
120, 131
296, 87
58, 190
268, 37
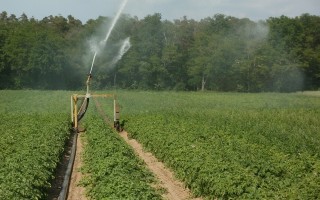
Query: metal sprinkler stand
78, 113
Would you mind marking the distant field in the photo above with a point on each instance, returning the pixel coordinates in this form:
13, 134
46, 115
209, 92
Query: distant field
222, 145
310, 93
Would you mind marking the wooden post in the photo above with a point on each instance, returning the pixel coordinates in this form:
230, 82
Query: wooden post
75, 112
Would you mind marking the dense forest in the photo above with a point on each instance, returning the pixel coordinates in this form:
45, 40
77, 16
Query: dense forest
221, 53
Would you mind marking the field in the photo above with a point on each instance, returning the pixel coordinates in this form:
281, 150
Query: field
222, 145
230, 145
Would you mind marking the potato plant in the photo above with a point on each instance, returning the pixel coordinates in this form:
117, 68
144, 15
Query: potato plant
34, 127
30, 148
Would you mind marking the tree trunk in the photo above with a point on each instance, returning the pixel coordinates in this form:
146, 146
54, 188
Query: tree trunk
203, 83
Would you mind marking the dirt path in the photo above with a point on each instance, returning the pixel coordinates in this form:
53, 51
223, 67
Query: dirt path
175, 189
77, 192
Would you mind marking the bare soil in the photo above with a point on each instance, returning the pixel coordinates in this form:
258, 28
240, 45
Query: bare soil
77, 192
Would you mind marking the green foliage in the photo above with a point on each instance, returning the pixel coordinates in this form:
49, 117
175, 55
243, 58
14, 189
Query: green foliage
114, 171
33, 133
232, 146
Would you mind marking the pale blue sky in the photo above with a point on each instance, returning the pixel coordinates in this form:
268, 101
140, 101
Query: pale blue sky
170, 9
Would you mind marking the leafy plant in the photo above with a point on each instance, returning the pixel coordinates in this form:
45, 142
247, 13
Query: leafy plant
34, 129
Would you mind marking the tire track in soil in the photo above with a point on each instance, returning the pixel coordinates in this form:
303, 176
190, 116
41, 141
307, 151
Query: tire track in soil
175, 189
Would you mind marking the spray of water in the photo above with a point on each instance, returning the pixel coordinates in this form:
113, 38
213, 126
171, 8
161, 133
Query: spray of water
114, 21
94, 57
124, 48
96, 48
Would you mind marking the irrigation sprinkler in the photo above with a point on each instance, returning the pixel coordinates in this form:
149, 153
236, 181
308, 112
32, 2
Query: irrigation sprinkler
80, 103
78, 113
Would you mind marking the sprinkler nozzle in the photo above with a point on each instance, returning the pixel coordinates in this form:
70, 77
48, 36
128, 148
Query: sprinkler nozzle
89, 77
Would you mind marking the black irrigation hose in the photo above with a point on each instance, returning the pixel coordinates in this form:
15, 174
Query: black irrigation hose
83, 108
66, 182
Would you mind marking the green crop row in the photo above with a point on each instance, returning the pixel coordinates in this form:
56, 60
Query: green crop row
113, 170
233, 146
34, 126
30, 148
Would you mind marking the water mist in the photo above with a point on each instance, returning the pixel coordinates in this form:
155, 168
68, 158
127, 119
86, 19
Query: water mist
101, 44
124, 48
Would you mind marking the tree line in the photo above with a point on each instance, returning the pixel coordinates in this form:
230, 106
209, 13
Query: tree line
221, 53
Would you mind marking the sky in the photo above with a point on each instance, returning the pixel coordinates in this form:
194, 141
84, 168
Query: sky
169, 9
